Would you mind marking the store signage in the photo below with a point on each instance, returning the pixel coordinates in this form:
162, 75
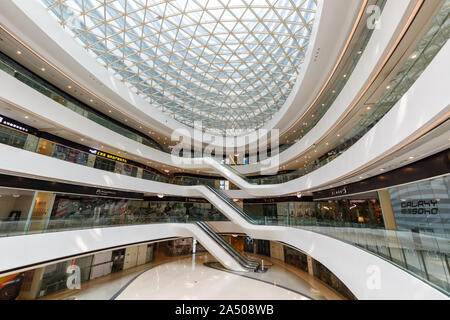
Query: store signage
101, 192
339, 192
108, 155
10, 123
420, 207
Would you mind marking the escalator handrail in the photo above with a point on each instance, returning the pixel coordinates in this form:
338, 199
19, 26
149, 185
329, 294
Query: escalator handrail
236, 255
231, 204
226, 247
224, 244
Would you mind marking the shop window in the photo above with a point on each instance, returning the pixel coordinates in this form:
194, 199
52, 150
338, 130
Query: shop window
46, 147
296, 258
105, 164
321, 272
12, 137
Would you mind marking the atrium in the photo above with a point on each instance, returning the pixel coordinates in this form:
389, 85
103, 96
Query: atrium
257, 150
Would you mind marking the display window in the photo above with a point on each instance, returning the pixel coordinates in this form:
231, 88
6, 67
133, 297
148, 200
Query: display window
105, 164
12, 137
423, 207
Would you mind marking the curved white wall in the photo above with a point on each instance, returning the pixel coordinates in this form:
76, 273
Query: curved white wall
30, 21
406, 119
381, 41
347, 262
28, 250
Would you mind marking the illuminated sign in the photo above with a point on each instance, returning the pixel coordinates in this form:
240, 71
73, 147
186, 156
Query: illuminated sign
108, 155
420, 207
12, 124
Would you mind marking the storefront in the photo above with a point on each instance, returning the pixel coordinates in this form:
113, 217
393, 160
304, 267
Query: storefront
423, 207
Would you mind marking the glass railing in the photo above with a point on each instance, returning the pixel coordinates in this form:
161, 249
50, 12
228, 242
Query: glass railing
426, 49
78, 222
11, 67
243, 261
323, 106
55, 150
424, 255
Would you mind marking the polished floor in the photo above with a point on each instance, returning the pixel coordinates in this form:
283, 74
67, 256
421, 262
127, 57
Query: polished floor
188, 278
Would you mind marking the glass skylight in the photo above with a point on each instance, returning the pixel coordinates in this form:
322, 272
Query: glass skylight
228, 63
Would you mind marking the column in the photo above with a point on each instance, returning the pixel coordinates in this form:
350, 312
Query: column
386, 207
310, 265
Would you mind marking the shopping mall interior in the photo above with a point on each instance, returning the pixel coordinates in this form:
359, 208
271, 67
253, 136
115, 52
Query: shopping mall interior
224, 150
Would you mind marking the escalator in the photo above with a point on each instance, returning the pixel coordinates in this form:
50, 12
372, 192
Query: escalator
243, 261
232, 205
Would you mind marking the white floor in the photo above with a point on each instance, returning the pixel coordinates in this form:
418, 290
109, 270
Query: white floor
189, 279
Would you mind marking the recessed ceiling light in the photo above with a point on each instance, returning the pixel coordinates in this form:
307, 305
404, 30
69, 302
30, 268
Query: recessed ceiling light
26, 117
338, 135
359, 52
82, 139
91, 100
19, 52
70, 87
42, 69
109, 111
381, 169
334, 91
368, 108
345, 76
411, 158
414, 56
388, 87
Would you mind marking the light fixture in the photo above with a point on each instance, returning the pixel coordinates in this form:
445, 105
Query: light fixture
26, 117
368, 108
388, 87
109, 111
70, 87
414, 56
19, 52
410, 158
160, 196
235, 200
42, 69
16, 195
299, 195
91, 100
359, 52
